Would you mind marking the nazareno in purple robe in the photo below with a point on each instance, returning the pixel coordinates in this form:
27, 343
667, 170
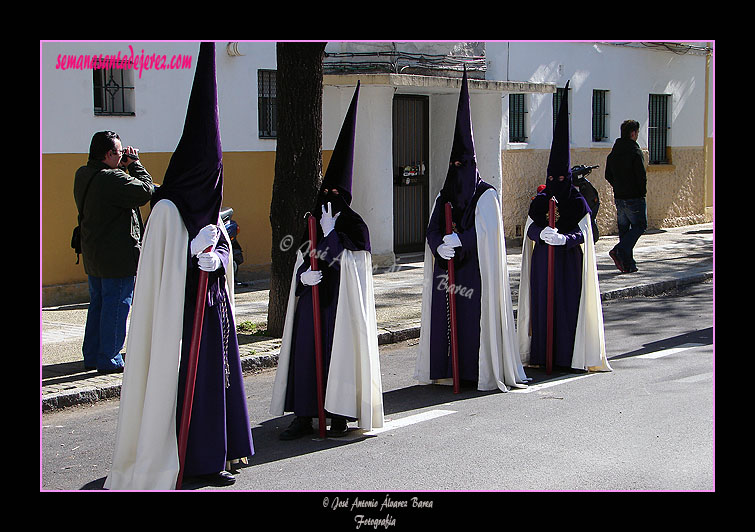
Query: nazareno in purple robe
349, 233
219, 430
571, 208
467, 276
567, 288
462, 188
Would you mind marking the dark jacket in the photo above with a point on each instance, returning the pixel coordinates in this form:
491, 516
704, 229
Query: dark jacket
111, 224
625, 170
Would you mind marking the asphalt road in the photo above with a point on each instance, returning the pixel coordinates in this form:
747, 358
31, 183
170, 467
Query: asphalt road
647, 426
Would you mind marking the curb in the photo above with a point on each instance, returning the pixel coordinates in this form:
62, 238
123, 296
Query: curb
268, 357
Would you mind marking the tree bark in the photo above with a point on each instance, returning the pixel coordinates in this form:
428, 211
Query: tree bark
298, 165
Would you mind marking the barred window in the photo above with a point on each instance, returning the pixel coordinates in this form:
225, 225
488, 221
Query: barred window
517, 112
267, 109
658, 128
559, 95
113, 91
599, 115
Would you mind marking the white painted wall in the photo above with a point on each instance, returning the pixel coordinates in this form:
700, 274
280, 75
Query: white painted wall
372, 187
486, 119
68, 121
629, 73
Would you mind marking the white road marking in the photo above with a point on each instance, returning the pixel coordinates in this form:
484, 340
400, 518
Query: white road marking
61, 332
695, 378
561, 380
669, 351
409, 420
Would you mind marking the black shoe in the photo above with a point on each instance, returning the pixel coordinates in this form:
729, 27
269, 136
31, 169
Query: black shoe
118, 369
300, 426
221, 478
631, 269
337, 427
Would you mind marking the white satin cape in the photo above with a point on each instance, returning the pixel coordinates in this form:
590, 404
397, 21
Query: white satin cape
499, 363
145, 454
354, 386
589, 341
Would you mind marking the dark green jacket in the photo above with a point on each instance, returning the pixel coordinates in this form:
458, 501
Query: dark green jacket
111, 224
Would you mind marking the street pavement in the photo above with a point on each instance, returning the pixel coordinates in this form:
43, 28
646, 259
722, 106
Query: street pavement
667, 259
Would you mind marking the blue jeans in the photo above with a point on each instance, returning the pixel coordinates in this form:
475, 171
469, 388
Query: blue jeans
105, 332
632, 218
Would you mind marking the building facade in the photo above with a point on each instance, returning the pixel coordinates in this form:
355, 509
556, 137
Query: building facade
407, 105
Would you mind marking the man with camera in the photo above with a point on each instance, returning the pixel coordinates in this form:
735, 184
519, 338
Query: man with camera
108, 192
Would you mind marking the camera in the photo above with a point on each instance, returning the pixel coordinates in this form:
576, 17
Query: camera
125, 157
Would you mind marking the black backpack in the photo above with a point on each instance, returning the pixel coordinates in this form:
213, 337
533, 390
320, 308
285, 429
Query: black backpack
590, 194
76, 237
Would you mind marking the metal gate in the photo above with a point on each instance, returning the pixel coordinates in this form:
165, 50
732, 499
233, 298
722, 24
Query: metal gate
410, 167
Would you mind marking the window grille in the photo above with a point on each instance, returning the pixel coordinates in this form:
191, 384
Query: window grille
113, 92
267, 109
658, 128
557, 97
517, 111
599, 115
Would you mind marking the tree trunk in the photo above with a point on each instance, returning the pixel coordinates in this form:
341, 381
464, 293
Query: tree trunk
298, 165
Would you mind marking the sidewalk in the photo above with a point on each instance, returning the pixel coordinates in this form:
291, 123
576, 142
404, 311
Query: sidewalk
666, 258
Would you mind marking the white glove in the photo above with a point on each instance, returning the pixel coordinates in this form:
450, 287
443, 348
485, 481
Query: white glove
311, 278
209, 262
446, 251
552, 237
207, 236
452, 240
327, 220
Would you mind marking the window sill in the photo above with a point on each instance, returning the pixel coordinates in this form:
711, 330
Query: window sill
661, 167
115, 114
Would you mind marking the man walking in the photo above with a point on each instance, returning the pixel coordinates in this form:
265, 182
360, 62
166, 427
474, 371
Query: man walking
625, 171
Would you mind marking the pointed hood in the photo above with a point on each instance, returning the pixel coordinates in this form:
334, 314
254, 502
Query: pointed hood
462, 179
340, 168
194, 178
463, 145
351, 228
571, 205
559, 163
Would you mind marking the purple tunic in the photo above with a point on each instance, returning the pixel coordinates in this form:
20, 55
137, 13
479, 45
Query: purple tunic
468, 297
301, 390
567, 288
219, 429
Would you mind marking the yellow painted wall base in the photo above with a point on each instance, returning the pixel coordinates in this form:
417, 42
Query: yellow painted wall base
676, 196
675, 192
247, 188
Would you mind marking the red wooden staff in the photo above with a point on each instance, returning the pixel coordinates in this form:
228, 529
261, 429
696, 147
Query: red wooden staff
551, 250
191, 373
452, 306
312, 225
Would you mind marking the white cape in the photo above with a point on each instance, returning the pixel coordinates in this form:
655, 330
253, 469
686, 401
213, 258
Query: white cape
499, 363
145, 455
354, 386
589, 341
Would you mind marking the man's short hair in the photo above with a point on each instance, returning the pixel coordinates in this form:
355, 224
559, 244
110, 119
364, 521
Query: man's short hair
102, 142
628, 126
